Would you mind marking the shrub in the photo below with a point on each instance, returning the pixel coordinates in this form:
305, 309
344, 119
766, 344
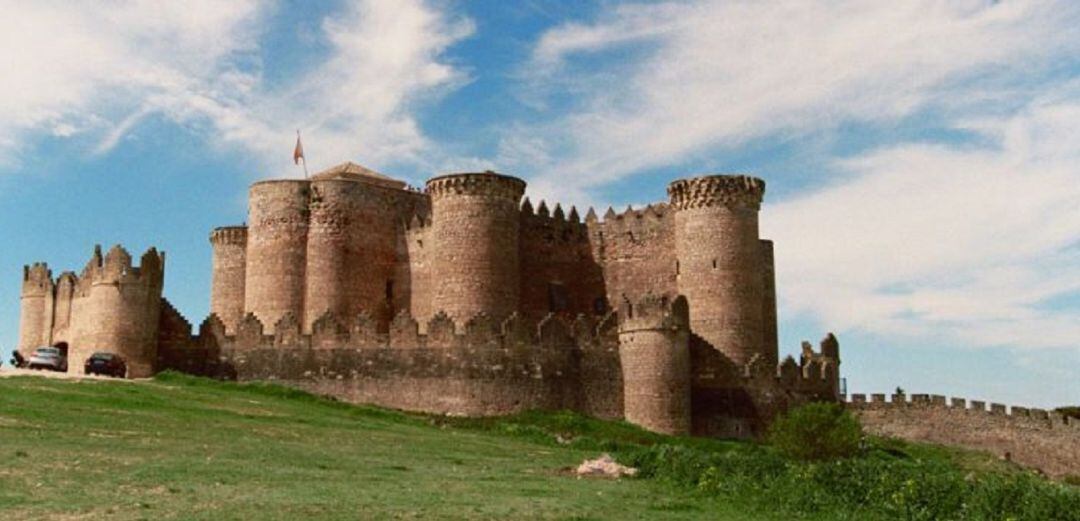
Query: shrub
816, 432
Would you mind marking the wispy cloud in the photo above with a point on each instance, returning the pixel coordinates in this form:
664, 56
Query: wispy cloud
718, 73
929, 240
965, 238
98, 70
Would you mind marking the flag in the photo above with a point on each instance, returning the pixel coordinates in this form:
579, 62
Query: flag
298, 152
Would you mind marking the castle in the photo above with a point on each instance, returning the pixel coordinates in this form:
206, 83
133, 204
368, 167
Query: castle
464, 298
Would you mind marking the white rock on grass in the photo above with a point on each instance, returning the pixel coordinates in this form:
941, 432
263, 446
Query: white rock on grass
604, 466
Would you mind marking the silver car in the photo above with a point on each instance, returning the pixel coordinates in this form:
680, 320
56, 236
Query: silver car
49, 358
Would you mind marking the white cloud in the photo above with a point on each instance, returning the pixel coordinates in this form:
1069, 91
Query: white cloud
101, 69
929, 240
72, 66
958, 239
720, 72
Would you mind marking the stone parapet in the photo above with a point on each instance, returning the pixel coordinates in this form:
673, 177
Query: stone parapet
736, 191
1029, 436
487, 184
229, 235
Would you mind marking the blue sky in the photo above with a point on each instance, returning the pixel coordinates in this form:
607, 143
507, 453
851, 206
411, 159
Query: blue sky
922, 157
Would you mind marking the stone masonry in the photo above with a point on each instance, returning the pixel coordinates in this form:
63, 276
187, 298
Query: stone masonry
465, 298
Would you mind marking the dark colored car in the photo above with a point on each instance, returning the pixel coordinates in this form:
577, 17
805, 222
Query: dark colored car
107, 364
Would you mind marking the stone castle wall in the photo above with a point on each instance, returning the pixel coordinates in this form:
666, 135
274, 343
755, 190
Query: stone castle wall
559, 270
278, 221
228, 267
720, 261
637, 252
1032, 437
655, 357
481, 367
475, 235
112, 306
35, 318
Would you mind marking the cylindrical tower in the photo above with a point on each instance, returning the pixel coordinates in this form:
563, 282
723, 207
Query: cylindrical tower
474, 261
720, 260
654, 355
351, 250
36, 287
229, 244
276, 249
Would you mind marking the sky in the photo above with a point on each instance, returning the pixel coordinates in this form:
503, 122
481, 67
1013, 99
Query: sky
922, 157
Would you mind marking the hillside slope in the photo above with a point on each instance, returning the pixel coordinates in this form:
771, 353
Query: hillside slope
183, 448
179, 447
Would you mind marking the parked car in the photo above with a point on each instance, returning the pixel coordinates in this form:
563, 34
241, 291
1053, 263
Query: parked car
108, 364
52, 358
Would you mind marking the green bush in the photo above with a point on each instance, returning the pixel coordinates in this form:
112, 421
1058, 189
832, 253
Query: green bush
816, 432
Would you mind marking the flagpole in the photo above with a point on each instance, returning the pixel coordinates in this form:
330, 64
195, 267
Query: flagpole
303, 154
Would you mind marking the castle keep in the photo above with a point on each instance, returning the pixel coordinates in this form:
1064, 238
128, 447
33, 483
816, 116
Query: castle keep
466, 298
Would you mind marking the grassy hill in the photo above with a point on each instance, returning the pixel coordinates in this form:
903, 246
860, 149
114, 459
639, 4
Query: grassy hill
186, 448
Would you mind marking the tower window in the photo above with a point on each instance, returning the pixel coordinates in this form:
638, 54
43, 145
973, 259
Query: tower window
389, 291
714, 264
557, 299
600, 305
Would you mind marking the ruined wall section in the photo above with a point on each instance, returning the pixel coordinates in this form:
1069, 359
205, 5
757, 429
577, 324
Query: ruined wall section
739, 401
1035, 438
116, 308
229, 245
474, 259
655, 359
35, 310
720, 261
636, 250
559, 273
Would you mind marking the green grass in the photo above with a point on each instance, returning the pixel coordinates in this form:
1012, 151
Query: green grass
180, 447
187, 448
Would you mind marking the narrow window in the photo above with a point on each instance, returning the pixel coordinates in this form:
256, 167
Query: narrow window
389, 291
557, 299
600, 305
676, 267
714, 264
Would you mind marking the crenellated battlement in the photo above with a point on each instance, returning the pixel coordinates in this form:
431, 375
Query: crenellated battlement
733, 191
1032, 437
489, 184
229, 235
116, 267
37, 279
905, 401
330, 331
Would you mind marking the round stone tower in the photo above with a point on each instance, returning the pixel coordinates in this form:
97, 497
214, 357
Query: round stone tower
276, 249
655, 357
229, 244
474, 262
720, 260
37, 286
350, 249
